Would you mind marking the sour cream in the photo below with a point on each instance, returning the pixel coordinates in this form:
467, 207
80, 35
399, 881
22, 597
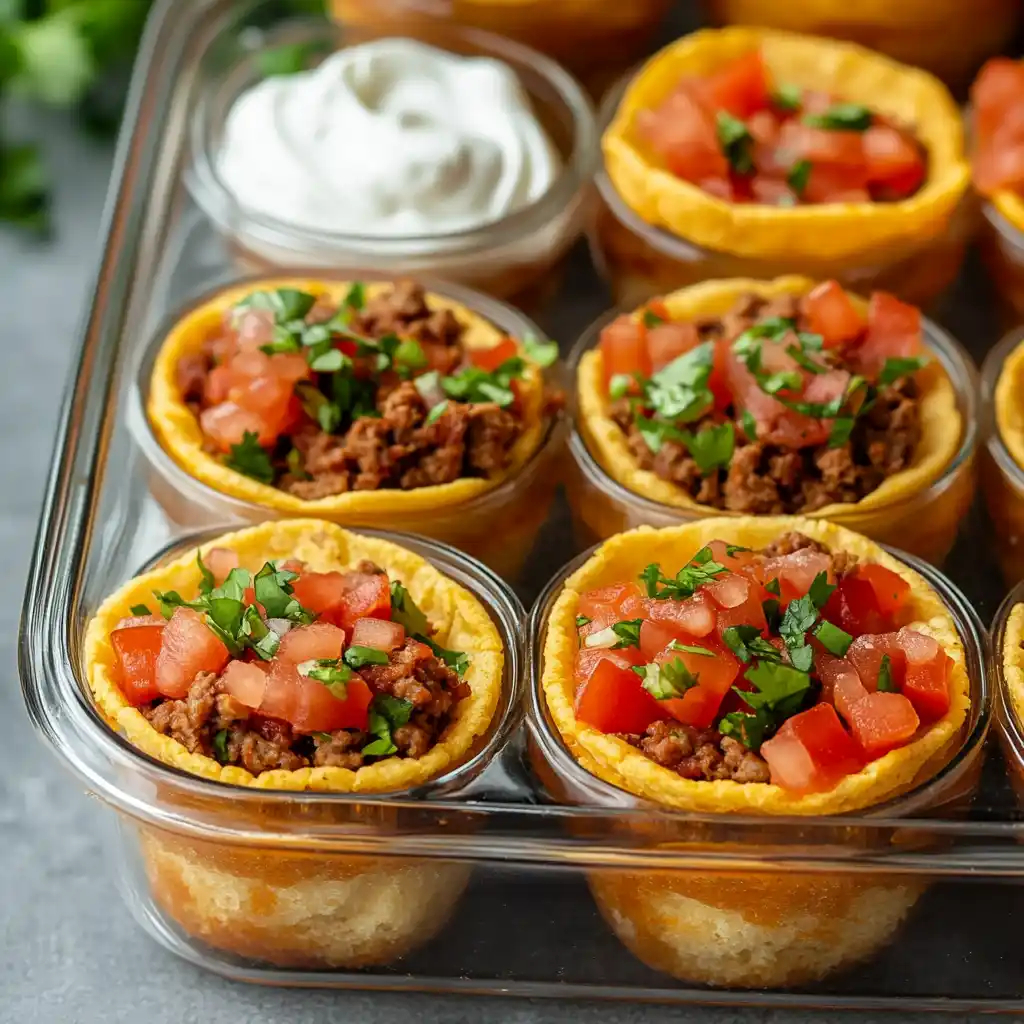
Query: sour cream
388, 139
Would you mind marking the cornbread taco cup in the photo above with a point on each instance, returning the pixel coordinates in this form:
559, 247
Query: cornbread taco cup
301, 908
1008, 634
946, 37
771, 927
936, 472
432, 468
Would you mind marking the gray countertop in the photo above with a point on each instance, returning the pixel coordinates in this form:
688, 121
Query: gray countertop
69, 950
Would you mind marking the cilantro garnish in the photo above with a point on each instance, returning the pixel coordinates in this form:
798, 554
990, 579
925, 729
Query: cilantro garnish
405, 611
736, 142
732, 550
749, 425
835, 640
841, 117
749, 729
712, 447
356, 297
220, 746
457, 660
701, 569
206, 580
628, 632
285, 303
675, 645
296, 465
583, 620
140, 609
332, 672
820, 590
893, 369
249, 458
387, 714
272, 588
787, 97
472, 384
358, 656
436, 412
668, 680
780, 688
800, 616
746, 642
543, 353
620, 385
886, 683
651, 319
774, 587
798, 176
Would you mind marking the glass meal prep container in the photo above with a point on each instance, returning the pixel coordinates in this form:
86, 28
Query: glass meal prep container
639, 257
769, 930
595, 39
925, 522
527, 858
195, 492
517, 257
947, 37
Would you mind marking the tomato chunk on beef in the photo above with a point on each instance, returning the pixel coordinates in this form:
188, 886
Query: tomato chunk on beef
313, 706
489, 359
812, 751
623, 348
137, 648
831, 313
189, 647
716, 671
381, 634
694, 616
246, 682
612, 699
319, 640
894, 332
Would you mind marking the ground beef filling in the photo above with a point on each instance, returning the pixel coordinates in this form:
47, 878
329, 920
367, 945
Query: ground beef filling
699, 754
767, 479
261, 744
398, 448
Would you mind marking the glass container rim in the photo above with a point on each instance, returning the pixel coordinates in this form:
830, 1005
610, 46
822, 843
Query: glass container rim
991, 372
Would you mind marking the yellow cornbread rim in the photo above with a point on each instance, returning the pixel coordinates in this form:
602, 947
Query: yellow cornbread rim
1013, 661
622, 557
851, 12
177, 428
941, 423
829, 231
1008, 407
460, 620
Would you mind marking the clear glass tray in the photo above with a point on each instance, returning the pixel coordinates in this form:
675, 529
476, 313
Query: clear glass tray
492, 880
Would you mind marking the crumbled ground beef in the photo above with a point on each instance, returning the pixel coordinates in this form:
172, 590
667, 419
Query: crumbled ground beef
767, 479
699, 754
262, 744
793, 541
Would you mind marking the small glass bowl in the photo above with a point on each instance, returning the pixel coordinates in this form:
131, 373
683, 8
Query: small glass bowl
1011, 727
308, 880
1002, 247
518, 258
639, 260
519, 505
949, 38
772, 925
925, 523
597, 40
1002, 479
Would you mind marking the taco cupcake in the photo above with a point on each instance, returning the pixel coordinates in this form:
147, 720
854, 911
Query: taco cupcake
754, 666
762, 398
745, 152
297, 656
946, 37
1008, 642
373, 403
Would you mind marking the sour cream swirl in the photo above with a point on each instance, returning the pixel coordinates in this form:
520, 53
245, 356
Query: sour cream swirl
390, 138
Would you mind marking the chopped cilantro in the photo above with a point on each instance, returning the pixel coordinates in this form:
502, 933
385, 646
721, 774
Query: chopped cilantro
285, 303
749, 729
780, 688
628, 632
249, 458
332, 672
651, 319
668, 680
798, 176
732, 550
220, 746
736, 142
886, 683
206, 580
773, 586
457, 660
685, 582
140, 609
358, 656
820, 590
804, 360
543, 353
749, 425
835, 640
273, 590
328, 362
746, 642
387, 713
472, 384
296, 465
772, 612
356, 296
787, 97
405, 611
893, 369
711, 447
583, 620
620, 385
318, 406
675, 645
841, 117
409, 357
436, 412
799, 616
842, 428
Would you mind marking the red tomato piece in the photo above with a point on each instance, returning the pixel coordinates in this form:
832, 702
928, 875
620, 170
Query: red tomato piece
718, 382
889, 154
812, 751
587, 660
694, 616
764, 128
866, 654
891, 589
311, 706
729, 590
796, 572
881, 722
840, 683
832, 314
253, 328
740, 87
720, 188
772, 192
489, 359
606, 604
853, 607
189, 647
668, 341
836, 183
894, 332
997, 89
999, 166
821, 146
715, 672
381, 634
217, 385
220, 562
320, 640
137, 648
612, 699
683, 133
246, 682
140, 620
734, 561
624, 349
228, 423
926, 683
344, 597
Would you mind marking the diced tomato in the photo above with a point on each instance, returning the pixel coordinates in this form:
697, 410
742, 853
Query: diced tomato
812, 751
220, 562
881, 722
253, 327
796, 571
267, 397
289, 366
853, 607
382, 634
715, 672
999, 85
189, 647
311, 706
587, 659
999, 167
606, 604
140, 620
740, 87
718, 382
694, 616
772, 191
890, 154
720, 188
683, 133
926, 683
246, 682
832, 314
668, 341
734, 561
866, 654
836, 183
304, 643
489, 359
217, 385
747, 612
612, 699
840, 683
624, 349
891, 589
821, 146
228, 423
342, 598
764, 129
894, 332
728, 590
656, 636
137, 649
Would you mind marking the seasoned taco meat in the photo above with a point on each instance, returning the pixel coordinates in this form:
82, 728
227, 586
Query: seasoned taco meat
700, 753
